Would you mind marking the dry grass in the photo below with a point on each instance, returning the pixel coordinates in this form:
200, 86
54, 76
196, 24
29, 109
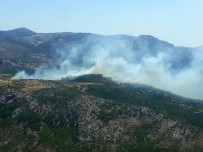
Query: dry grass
34, 85
5, 82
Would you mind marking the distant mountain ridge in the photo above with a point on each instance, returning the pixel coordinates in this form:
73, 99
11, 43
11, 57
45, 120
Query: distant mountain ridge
26, 32
34, 49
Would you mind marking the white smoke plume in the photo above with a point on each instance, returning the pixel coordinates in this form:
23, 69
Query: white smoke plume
127, 59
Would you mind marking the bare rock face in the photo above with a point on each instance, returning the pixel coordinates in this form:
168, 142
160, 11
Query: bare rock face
90, 126
173, 133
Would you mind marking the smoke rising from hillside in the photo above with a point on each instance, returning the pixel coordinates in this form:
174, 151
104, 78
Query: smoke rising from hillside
134, 61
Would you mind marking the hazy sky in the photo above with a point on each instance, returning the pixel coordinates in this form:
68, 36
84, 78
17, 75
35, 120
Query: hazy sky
177, 21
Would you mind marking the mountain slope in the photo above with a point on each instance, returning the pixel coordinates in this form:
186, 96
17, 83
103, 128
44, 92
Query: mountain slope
36, 49
93, 113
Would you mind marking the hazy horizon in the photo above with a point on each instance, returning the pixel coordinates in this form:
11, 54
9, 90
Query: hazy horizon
177, 22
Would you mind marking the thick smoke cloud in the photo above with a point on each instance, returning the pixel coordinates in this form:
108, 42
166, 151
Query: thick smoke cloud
143, 60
